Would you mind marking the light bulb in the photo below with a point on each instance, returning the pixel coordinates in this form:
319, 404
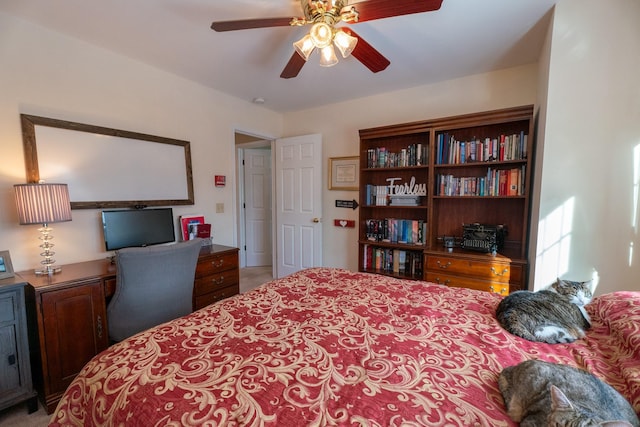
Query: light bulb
328, 56
304, 46
322, 34
345, 43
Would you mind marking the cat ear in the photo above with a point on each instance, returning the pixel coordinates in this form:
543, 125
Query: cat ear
558, 399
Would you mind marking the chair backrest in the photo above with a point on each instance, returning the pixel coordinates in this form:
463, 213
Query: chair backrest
153, 285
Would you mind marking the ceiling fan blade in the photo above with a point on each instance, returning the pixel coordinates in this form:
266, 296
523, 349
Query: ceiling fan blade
293, 67
245, 24
367, 54
378, 9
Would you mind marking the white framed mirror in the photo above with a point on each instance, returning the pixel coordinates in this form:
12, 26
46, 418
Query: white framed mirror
107, 168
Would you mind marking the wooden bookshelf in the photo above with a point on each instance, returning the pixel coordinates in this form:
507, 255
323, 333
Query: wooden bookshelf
413, 158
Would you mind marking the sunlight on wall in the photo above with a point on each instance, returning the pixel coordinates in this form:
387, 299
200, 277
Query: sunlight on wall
554, 245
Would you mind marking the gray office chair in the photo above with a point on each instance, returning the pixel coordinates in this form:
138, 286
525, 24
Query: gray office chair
153, 285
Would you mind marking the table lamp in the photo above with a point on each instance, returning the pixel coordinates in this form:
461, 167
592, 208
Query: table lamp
43, 204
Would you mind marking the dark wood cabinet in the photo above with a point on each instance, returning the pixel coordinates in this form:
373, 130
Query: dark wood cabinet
15, 370
75, 330
67, 313
435, 176
68, 324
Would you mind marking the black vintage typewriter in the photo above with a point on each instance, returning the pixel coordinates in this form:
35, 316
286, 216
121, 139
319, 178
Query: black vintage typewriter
483, 237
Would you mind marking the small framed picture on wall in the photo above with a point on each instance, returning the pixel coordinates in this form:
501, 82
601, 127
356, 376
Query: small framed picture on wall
6, 269
343, 173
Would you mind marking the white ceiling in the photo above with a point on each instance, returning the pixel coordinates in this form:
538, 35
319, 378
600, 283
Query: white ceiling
464, 37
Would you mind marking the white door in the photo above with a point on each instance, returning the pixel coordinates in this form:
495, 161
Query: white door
298, 170
257, 205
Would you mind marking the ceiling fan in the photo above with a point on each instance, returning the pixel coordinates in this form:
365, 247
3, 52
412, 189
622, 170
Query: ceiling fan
323, 15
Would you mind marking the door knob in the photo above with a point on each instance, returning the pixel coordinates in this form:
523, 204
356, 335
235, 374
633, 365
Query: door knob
316, 219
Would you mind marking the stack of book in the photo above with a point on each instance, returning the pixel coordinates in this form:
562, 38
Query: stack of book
376, 195
497, 182
395, 261
404, 200
393, 230
412, 155
502, 148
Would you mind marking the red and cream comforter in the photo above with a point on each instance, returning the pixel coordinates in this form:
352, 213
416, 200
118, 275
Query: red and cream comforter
332, 347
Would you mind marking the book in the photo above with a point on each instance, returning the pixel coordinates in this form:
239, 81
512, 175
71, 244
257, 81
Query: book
502, 183
186, 221
396, 261
402, 260
203, 231
513, 182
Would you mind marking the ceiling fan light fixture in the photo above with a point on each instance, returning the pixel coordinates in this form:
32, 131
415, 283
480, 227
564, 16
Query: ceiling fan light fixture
345, 43
304, 46
321, 34
328, 56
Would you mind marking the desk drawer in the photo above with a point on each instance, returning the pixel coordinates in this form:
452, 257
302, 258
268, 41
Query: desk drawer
489, 269
204, 300
216, 263
466, 282
214, 282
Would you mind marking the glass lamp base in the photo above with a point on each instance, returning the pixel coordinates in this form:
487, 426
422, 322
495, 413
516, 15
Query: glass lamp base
51, 269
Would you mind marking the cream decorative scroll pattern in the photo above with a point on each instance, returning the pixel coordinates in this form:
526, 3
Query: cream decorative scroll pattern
332, 347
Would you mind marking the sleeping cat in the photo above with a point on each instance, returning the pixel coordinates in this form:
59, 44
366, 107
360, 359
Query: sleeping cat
553, 315
538, 393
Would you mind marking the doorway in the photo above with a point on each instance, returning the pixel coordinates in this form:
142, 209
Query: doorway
289, 235
254, 197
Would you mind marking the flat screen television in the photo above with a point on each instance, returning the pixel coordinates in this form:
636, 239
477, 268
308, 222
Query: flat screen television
139, 227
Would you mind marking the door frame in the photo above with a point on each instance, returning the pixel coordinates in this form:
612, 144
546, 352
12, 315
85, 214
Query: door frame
252, 141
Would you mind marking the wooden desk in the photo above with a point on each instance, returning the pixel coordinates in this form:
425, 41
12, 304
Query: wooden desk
68, 320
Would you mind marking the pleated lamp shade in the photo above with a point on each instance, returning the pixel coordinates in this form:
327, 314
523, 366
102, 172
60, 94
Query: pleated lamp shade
42, 203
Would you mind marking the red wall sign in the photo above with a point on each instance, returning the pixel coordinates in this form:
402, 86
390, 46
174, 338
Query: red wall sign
344, 223
220, 180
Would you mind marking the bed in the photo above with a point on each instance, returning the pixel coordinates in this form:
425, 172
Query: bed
327, 346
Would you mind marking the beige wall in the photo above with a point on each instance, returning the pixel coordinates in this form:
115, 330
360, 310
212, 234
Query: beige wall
541, 121
339, 125
588, 219
56, 76
586, 85
47, 74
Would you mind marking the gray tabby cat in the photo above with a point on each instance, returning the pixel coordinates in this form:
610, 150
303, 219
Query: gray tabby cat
538, 393
553, 315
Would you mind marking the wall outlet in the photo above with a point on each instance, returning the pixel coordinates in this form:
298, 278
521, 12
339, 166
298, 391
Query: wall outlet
219, 207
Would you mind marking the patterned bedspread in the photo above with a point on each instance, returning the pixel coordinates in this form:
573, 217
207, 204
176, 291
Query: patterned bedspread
332, 347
